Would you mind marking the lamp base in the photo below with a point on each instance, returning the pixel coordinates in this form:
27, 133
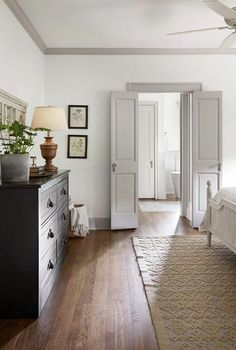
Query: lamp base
50, 168
48, 152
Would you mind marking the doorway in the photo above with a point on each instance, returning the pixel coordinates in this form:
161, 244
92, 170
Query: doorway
159, 152
200, 149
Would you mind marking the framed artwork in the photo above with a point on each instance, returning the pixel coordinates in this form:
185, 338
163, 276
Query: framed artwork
78, 117
77, 146
11, 109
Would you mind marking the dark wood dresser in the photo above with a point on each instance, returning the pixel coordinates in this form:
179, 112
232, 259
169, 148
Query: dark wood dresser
33, 242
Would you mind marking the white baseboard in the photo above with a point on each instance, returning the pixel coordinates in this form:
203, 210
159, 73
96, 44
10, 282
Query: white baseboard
99, 223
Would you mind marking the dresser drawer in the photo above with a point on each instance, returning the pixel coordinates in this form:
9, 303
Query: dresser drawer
45, 291
48, 203
62, 245
63, 218
48, 264
62, 191
49, 233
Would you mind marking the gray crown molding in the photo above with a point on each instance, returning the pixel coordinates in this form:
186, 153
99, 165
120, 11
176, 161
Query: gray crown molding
136, 51
17, 11
28, 26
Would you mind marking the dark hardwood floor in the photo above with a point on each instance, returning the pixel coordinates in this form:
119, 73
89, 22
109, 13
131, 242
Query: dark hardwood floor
98, 301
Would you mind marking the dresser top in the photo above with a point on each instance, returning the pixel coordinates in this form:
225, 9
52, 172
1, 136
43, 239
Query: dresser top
37, 182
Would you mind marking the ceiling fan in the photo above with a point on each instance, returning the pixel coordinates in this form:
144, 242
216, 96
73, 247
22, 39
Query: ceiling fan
229, 15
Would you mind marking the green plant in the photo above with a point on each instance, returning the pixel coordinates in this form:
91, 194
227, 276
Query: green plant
17, 138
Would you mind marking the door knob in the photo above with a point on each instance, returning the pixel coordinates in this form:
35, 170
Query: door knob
113, 167
151, 163
218, 165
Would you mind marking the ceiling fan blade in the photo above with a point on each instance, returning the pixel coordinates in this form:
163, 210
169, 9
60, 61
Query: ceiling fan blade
221, 9
229, 41
198, 30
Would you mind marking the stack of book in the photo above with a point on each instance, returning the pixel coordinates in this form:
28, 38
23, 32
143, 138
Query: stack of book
36, 171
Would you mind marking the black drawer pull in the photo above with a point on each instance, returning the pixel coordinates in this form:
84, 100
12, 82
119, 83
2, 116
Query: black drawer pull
63, 216
50, 234
50, 265
65, 240
63, 191
50, 203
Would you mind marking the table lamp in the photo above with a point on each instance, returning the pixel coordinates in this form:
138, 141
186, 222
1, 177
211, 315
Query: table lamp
52, 118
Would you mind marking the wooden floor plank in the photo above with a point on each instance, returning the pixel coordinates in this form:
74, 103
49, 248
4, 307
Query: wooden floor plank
98, 302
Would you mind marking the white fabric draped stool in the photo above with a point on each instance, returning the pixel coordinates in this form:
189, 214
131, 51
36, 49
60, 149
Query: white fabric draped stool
79, 223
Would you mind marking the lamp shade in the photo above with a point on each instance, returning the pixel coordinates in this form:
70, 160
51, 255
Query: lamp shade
52, 118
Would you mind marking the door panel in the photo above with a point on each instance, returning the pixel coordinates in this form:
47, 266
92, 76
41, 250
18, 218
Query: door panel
146, 148
124, 191
206, 147
125, 187
125, 124
208, 129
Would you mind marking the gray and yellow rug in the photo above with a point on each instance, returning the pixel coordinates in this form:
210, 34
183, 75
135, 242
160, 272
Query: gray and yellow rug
191, 291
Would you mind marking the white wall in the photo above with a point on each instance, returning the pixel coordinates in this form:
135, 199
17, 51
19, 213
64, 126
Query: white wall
21, 62
89, 80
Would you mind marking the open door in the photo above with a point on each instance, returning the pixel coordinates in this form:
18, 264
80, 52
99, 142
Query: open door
206, 149
124, 155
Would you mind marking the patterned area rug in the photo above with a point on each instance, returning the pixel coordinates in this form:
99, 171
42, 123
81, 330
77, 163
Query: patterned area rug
191, 291
159, 206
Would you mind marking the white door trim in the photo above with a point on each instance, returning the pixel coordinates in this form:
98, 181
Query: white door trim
155, 104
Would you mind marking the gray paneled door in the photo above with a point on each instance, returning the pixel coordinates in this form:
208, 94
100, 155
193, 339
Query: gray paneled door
206, 149
124, 156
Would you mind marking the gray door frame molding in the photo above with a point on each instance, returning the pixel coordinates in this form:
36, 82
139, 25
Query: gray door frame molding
164, 87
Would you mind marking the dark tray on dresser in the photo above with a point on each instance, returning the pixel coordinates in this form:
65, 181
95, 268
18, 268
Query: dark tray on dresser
34, 235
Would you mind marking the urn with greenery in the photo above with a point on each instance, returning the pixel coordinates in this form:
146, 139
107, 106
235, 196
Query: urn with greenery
17, 141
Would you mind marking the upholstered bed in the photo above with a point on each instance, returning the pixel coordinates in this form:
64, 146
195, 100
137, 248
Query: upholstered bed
220, 217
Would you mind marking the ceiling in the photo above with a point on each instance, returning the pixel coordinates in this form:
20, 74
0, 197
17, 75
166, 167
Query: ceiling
124, 23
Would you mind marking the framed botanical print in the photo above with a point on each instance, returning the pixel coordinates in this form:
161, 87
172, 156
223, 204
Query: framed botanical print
78, 117
77, 146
